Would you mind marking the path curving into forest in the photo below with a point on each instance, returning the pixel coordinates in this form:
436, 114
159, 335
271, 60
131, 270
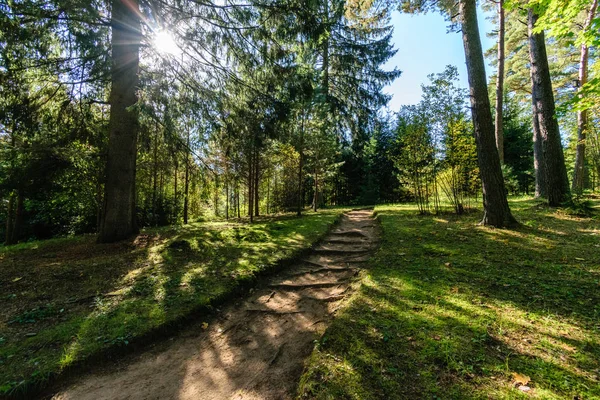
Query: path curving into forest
255, 348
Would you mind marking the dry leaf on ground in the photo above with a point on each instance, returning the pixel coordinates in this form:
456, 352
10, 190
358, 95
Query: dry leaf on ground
520, 379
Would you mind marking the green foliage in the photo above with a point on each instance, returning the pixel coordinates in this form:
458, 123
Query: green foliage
416, 157
217, 114
437, 154
518, 149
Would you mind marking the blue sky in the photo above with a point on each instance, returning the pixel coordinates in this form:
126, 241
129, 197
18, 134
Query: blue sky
424, 48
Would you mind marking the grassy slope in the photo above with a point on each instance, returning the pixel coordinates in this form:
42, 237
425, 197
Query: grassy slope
453, 310
65, 300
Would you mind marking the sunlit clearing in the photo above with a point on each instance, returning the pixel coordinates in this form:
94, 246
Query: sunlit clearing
165, 44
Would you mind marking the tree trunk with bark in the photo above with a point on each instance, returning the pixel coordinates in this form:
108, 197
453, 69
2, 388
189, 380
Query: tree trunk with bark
500, 84
557, 182
118, 220
268, 193
316, 194
186, 184
300, 169
99, 201
155, 178
226, 192
237, 199
175, 189
582, 115
256, 182
9, 220
251, 188
216, 196
539, 164
18, 217
495, 204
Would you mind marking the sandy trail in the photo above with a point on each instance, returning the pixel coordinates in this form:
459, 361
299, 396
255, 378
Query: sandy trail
255, 348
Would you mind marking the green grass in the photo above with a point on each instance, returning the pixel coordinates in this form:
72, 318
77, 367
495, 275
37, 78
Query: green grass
451, 310
65, 301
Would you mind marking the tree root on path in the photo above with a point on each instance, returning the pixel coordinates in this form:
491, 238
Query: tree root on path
269, 311
307, 285
343, 241
342, 251
326, 299
270, 297
350, 233
314, 263
326, 269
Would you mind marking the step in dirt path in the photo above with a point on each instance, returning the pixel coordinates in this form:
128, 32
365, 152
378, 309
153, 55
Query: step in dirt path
255, 349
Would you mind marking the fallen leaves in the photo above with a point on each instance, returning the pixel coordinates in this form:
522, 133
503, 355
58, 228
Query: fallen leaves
520, 379
205, 325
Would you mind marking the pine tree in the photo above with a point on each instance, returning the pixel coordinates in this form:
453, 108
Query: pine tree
496, 210
119, 219
582, 114
557, 183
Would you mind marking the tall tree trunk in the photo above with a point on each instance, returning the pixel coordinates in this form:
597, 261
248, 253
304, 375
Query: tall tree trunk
495, 204
268, 192
186, 184
10, 220
237, 201
18, 221
539, 165
99, 202
251, 188
500, 84
325, 55
119, 199
216, 196
256, 182
175, 202
226, 194
162, 187
300, 169
582, 115
134, 222
155, 183
543, 109
316, 194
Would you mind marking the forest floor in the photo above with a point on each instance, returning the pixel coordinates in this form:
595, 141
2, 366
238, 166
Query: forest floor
66, 303
255, 348
452, 310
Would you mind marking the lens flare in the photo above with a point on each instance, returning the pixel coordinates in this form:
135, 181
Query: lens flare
164, 43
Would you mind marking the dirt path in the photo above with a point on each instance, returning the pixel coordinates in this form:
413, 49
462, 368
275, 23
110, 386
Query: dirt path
256, 348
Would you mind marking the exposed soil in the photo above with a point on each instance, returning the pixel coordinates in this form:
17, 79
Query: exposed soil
255, 348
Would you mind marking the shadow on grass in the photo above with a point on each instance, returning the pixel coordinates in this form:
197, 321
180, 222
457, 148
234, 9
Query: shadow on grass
451, 310
99, 297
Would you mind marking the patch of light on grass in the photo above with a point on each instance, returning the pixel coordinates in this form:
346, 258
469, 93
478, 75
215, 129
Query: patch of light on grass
191, 274
70, 354
133, 275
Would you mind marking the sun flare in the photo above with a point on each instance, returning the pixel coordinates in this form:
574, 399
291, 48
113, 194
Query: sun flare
164, 43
